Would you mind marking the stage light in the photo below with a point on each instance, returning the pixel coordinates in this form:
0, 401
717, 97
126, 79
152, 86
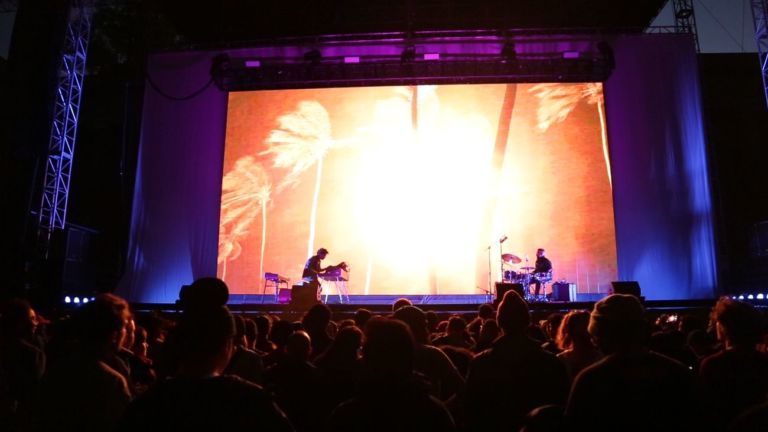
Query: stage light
750, 297
252, 63
741, 297
760, 296
408, 55
85, 300
571, 55
77, 300
67, 299
432, 56
351, 59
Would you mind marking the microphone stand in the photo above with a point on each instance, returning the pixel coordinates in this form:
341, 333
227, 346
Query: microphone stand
490, 283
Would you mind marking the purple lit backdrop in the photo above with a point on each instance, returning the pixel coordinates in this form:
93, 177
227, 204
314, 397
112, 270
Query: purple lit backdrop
661, 195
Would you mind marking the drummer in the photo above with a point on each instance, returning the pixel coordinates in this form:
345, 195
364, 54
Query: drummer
543, 267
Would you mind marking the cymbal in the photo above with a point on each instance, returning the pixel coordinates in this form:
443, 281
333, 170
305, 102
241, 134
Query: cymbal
512, 259
527, 268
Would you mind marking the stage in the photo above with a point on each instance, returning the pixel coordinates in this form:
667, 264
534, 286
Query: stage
413, 170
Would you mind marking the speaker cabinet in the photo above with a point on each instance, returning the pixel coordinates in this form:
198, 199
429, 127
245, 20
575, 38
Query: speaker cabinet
626, 287
304, 296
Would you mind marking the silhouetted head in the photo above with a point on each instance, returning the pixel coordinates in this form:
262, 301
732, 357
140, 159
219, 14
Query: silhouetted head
573, 330
263, 325
361, 317
204, 339
299, 346
512, 315
546, 418
204, 292
348, 342
18, 319
738, 323
485, 311
280, 332
490, 330
617, 323
456, 325
101, 323
388, 351
401, 302
316, 319
322, 253
416, 321
251, 332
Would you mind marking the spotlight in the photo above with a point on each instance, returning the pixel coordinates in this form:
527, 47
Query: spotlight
85, 300
408, 55
750, 297
67, 299
77, 300
760, 296
741, 297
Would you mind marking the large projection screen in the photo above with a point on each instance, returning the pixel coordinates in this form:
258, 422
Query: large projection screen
414, 186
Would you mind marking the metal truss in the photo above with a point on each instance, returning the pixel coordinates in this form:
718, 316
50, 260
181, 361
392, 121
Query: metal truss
760, 18
685, 19
66, 110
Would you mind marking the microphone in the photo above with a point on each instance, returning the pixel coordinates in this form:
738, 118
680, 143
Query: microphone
503, 239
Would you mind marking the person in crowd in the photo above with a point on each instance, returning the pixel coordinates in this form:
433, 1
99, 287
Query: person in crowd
736, 377
22, 359
460, 357
199, 396
137, 370
514, 376
298, 385
456, 334
263, 329
574, 340
432, 321
278, 336
489, 332
341, 364
390, 396
632, 388
141, 369
484, 312
82, 391
315, 322
362, 316
245, 363
401, 302
550, 327
445, 379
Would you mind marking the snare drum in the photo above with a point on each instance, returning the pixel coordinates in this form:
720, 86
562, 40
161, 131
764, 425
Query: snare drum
544, 277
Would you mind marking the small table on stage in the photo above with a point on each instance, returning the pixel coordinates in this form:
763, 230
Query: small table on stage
339, 283
275, 281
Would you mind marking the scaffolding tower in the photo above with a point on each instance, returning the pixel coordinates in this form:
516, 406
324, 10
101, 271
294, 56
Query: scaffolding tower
66, 110
760, 18
685, 19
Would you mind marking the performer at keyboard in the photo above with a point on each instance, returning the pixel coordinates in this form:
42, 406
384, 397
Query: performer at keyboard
542, 273
313, 267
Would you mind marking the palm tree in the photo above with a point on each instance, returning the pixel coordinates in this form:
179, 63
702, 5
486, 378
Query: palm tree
497, 163
557, 101
302, 139
246, 191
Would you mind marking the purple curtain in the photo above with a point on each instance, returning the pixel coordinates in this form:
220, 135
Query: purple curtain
174, 224
661, 191
661, 194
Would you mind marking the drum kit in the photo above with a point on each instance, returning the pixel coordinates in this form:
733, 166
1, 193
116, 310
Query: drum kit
524, 275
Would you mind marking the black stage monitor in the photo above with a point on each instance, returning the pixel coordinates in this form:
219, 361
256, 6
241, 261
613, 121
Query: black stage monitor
626, 287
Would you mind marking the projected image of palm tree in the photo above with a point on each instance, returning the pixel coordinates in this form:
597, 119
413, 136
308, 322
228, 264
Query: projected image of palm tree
246, 191
302, 139
557, 101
